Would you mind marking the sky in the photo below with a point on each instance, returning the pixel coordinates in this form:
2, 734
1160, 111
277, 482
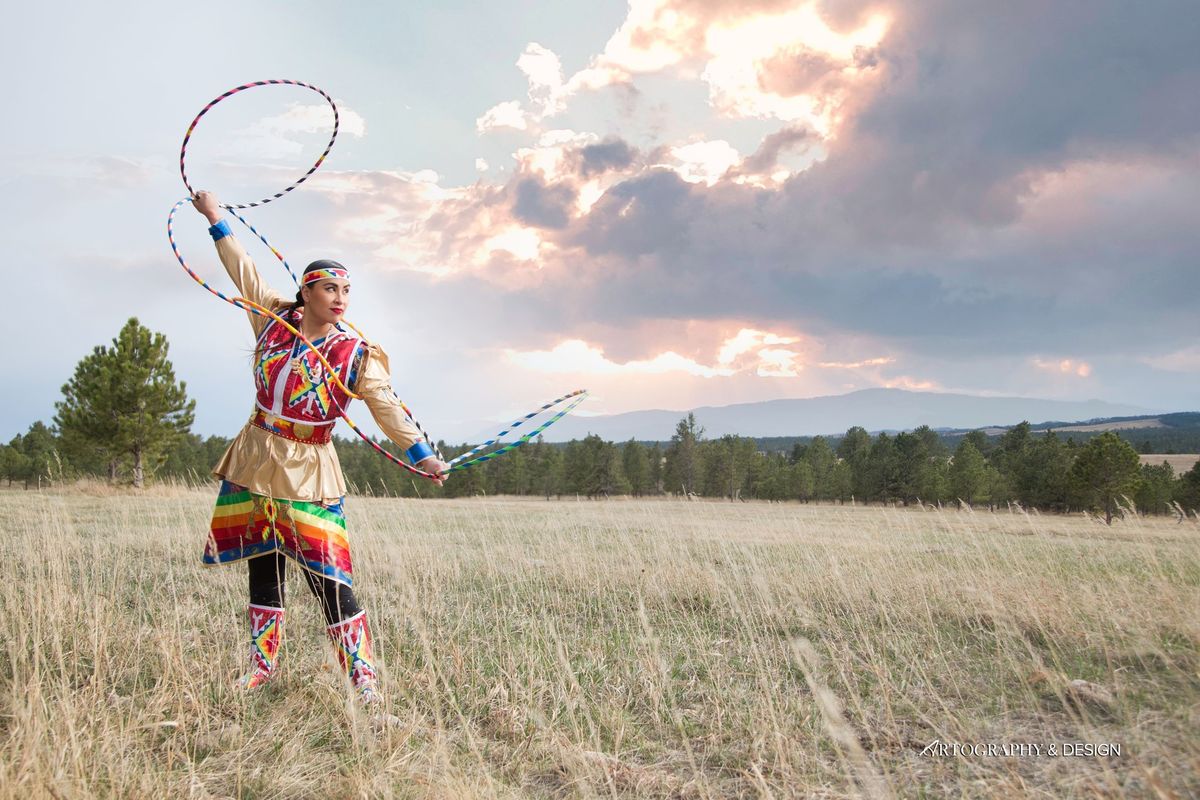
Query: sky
671, 203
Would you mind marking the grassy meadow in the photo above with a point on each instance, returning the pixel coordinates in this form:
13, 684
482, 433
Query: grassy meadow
620, 648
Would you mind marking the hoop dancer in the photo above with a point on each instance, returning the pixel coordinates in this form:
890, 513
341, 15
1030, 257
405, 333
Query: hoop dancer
282, 488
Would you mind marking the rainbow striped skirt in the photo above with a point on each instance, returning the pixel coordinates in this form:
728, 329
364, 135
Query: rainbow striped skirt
245, 525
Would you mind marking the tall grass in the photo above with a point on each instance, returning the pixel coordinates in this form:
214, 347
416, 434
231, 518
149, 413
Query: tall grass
606, 649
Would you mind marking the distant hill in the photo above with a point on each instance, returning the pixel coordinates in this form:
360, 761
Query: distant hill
873, 409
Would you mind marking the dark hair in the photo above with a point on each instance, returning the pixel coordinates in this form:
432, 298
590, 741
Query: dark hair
297, 303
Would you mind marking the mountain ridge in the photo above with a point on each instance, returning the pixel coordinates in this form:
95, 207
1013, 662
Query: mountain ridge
876, 409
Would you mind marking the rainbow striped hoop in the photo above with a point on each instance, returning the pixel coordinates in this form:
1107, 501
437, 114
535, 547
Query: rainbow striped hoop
316, 164
460, 462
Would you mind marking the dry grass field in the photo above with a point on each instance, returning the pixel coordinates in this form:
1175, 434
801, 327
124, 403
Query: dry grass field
608, 649
1179, 463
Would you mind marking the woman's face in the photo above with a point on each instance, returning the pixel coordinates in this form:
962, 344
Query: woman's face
327, 300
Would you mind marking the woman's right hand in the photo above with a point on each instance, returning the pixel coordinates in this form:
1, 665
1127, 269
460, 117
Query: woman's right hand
206, 203
436, 467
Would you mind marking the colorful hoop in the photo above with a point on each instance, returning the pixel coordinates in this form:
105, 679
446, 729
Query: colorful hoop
191, 129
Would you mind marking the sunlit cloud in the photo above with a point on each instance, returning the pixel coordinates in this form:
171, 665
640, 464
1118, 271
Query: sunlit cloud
543, 70
548, 157
788, 65
704, 162
652, 38
747, 340
749, 352
503, 115
778, 363
910, 383
522, 243
576, 356
745, 52
1065, 366
589, 193
870, 362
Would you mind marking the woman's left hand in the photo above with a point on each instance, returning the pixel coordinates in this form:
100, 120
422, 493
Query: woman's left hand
435, 467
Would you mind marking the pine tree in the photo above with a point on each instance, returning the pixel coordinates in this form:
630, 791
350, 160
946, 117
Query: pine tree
855, 450
124, 401
545, 468
1044, 473
86, 419
968, 474
883, 470
1106, 469
682, 471
820, 459
592, 467
637, 467
802, 481
656, 459
1157, 486
13, 463
37, 456
980, 440
726, 464
1187, 489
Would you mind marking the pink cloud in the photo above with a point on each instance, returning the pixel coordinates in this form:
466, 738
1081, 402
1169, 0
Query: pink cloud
869, 362
767, 60
1065, 366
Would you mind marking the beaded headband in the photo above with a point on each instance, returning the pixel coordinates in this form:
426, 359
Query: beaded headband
321, 274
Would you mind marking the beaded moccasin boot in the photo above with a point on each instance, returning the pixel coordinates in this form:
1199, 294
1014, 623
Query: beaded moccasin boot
266, 633
352, 640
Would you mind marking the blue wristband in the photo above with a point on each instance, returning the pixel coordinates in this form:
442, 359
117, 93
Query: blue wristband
220, 230
418, 452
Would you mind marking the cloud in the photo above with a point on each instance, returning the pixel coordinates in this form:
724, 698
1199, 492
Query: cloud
789, 66
763, 59
778, 363
911, 384
543, 70
1186, 359
764, 159
747, 340
107, 172
612, 153
578, 357
543, 206
555, 154
970, 198
704, 162
275, 137
522, 244
870, 362
503, 115
748, 352
1066, 366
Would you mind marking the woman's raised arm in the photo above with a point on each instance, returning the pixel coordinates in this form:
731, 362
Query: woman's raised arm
237, 262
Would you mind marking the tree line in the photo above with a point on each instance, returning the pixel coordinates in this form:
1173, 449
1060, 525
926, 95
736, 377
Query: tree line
123, 416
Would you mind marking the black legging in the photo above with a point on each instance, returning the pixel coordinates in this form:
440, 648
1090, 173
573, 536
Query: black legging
267, 580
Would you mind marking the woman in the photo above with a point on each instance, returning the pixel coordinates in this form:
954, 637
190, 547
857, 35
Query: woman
281, 484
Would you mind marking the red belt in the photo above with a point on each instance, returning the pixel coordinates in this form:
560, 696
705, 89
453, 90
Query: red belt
296, 431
